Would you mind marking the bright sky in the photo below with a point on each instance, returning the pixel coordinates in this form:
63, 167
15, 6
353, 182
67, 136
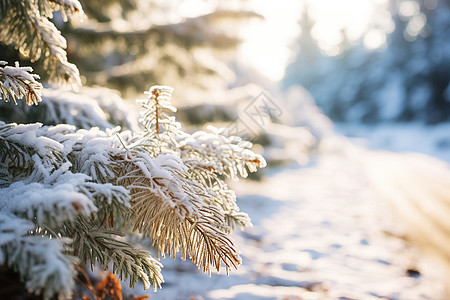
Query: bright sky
266, 46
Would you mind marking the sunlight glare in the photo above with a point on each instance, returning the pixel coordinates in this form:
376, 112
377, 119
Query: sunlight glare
332, 18
374, 39
266, 42
267, 45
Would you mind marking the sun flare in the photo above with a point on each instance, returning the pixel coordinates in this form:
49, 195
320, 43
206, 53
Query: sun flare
268, 44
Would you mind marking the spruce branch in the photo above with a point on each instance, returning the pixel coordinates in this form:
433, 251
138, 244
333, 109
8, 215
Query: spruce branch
220, 194
94, 153
23, 151
169, 208
229, 156
161, 129
112, 202
98, 244
179, 199
66, 107
47, 204
40, 261
95, 186
89, 107
68, 8
18, 82
23, 26
86, 109
225, 198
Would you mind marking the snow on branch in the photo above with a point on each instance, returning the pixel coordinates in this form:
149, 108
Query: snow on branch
39, 260
36, 37
65, 107
222, 196
112, 202
47, 205
169, 208
229, 156
161, 129
97, 244
79, 192
97, 152
24, 153
172, 204
68, 8
18, 82
87, 108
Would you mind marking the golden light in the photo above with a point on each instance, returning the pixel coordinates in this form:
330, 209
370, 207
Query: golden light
268, 46
266, 43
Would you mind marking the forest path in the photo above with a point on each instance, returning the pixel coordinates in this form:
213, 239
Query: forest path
320, 232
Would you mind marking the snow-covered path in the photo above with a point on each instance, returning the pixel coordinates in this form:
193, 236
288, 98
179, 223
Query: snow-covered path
319, 233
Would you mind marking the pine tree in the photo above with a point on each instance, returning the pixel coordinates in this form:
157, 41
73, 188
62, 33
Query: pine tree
308, 55
406, 80
74, 194
26, 25
124, 44
154, 43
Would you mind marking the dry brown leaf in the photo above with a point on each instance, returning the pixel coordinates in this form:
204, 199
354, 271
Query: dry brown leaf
109, 286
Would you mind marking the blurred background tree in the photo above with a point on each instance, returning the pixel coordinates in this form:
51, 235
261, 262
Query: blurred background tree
128, 45
398, 71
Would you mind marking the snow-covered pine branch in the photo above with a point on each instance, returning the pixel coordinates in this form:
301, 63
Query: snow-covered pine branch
26, 25
40, 261
24, 153
48, 204
18, 82
169, 208
229, 156
56, 201
225, 198
99, 245
68, 8
210, 156
166, 189
87, 108
79, 192
161, 129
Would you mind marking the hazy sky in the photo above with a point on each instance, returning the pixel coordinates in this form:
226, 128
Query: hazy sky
266, 45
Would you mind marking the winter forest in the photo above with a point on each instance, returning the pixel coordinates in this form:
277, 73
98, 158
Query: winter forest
245, 149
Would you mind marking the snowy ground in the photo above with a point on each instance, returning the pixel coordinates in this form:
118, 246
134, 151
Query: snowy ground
320, 232
433, 140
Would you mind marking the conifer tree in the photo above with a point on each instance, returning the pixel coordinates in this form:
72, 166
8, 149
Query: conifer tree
124, 44
72, 194
127, 43
407, 79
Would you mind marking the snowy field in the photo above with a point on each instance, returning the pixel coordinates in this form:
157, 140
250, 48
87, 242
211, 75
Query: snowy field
324, 230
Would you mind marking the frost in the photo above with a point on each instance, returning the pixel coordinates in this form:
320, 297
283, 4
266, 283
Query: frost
39, 260
18, 82
76, 191
226, 155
